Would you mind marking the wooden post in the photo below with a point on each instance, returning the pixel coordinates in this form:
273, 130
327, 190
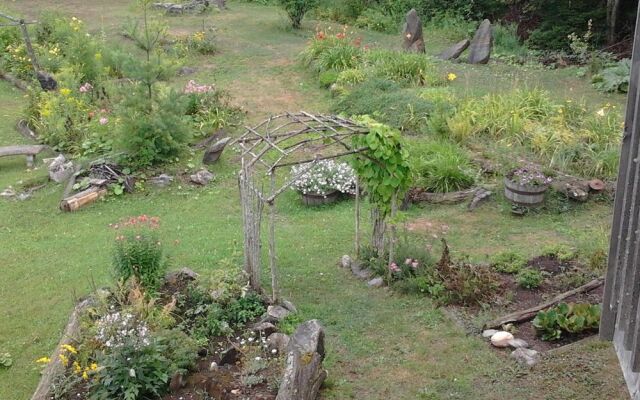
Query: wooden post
27, 42
621, 217
392, 239
357, 238
272, 242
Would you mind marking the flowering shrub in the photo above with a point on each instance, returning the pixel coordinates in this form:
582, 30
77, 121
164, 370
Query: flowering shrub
529, 177
323, 178
138, 252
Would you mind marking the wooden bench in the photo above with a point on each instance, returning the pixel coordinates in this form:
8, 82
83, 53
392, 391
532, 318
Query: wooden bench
26, 150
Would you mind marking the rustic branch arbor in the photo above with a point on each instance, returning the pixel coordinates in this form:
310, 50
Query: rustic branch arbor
283, 141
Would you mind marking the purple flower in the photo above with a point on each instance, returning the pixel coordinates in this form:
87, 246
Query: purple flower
104, 121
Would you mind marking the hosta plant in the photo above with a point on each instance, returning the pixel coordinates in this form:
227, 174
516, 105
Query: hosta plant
566, 318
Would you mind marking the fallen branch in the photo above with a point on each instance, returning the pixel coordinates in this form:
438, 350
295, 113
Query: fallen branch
23, 128
530, 313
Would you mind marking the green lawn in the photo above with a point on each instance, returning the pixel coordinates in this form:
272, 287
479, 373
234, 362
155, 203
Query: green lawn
380, 345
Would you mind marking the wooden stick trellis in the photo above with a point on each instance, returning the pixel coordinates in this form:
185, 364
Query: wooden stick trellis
278, 142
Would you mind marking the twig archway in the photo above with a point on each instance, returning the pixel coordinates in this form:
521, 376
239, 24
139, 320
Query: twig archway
278, 142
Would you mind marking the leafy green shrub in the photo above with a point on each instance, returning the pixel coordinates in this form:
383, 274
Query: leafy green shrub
529, 278
132, 372
451, 25
138, 252
388, 103
614, 78
567, 318
290, 323
508, 262
440, 166
152, 131
327, 78
296, 9
376, 20
331, 53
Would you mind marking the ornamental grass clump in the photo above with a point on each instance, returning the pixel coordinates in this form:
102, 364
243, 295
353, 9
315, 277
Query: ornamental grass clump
323, 178
138, 252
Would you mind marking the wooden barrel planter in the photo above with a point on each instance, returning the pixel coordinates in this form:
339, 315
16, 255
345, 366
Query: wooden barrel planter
530, 196
312, 199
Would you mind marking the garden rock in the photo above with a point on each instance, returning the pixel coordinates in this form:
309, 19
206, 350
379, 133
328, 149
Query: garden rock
47, 82
202, 177
345, 261
376, 282
8, 193
213, 153
161, 181
186, 71
60, 169
501, 339
221, 4
183, 275
278, 341
481, 45
454, 51
264, 328
277, 313
360, 273
289, 306
303, 373
518, 343
488, 333
230, 356
526, 356
412, 33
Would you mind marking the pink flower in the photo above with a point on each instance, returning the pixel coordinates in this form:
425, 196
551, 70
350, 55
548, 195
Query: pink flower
394, 267
415, 264
104, 120
407, 261
86, 88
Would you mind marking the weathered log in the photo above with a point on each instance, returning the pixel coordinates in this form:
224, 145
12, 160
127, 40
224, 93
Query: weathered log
530, 313
55, 367
419, 195
83, 198
574, 189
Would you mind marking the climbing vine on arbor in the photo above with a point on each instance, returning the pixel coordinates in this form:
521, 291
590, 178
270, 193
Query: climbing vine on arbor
384, 168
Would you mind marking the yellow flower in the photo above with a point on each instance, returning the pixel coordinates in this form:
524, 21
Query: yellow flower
43, 360
65, 91
451, 77
76, 367
68, 347
85, 376
98, 56
64, 359
93, 366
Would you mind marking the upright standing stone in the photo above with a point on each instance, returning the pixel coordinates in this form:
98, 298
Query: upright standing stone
454, 51
481, 45
413, 39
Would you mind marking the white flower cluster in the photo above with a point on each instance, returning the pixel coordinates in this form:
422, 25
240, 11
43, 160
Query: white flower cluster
324, 177
116, 329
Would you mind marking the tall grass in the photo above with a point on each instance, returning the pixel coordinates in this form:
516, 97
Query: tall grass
566, 135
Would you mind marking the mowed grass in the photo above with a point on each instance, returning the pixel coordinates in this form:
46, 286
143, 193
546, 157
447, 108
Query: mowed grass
380, 345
